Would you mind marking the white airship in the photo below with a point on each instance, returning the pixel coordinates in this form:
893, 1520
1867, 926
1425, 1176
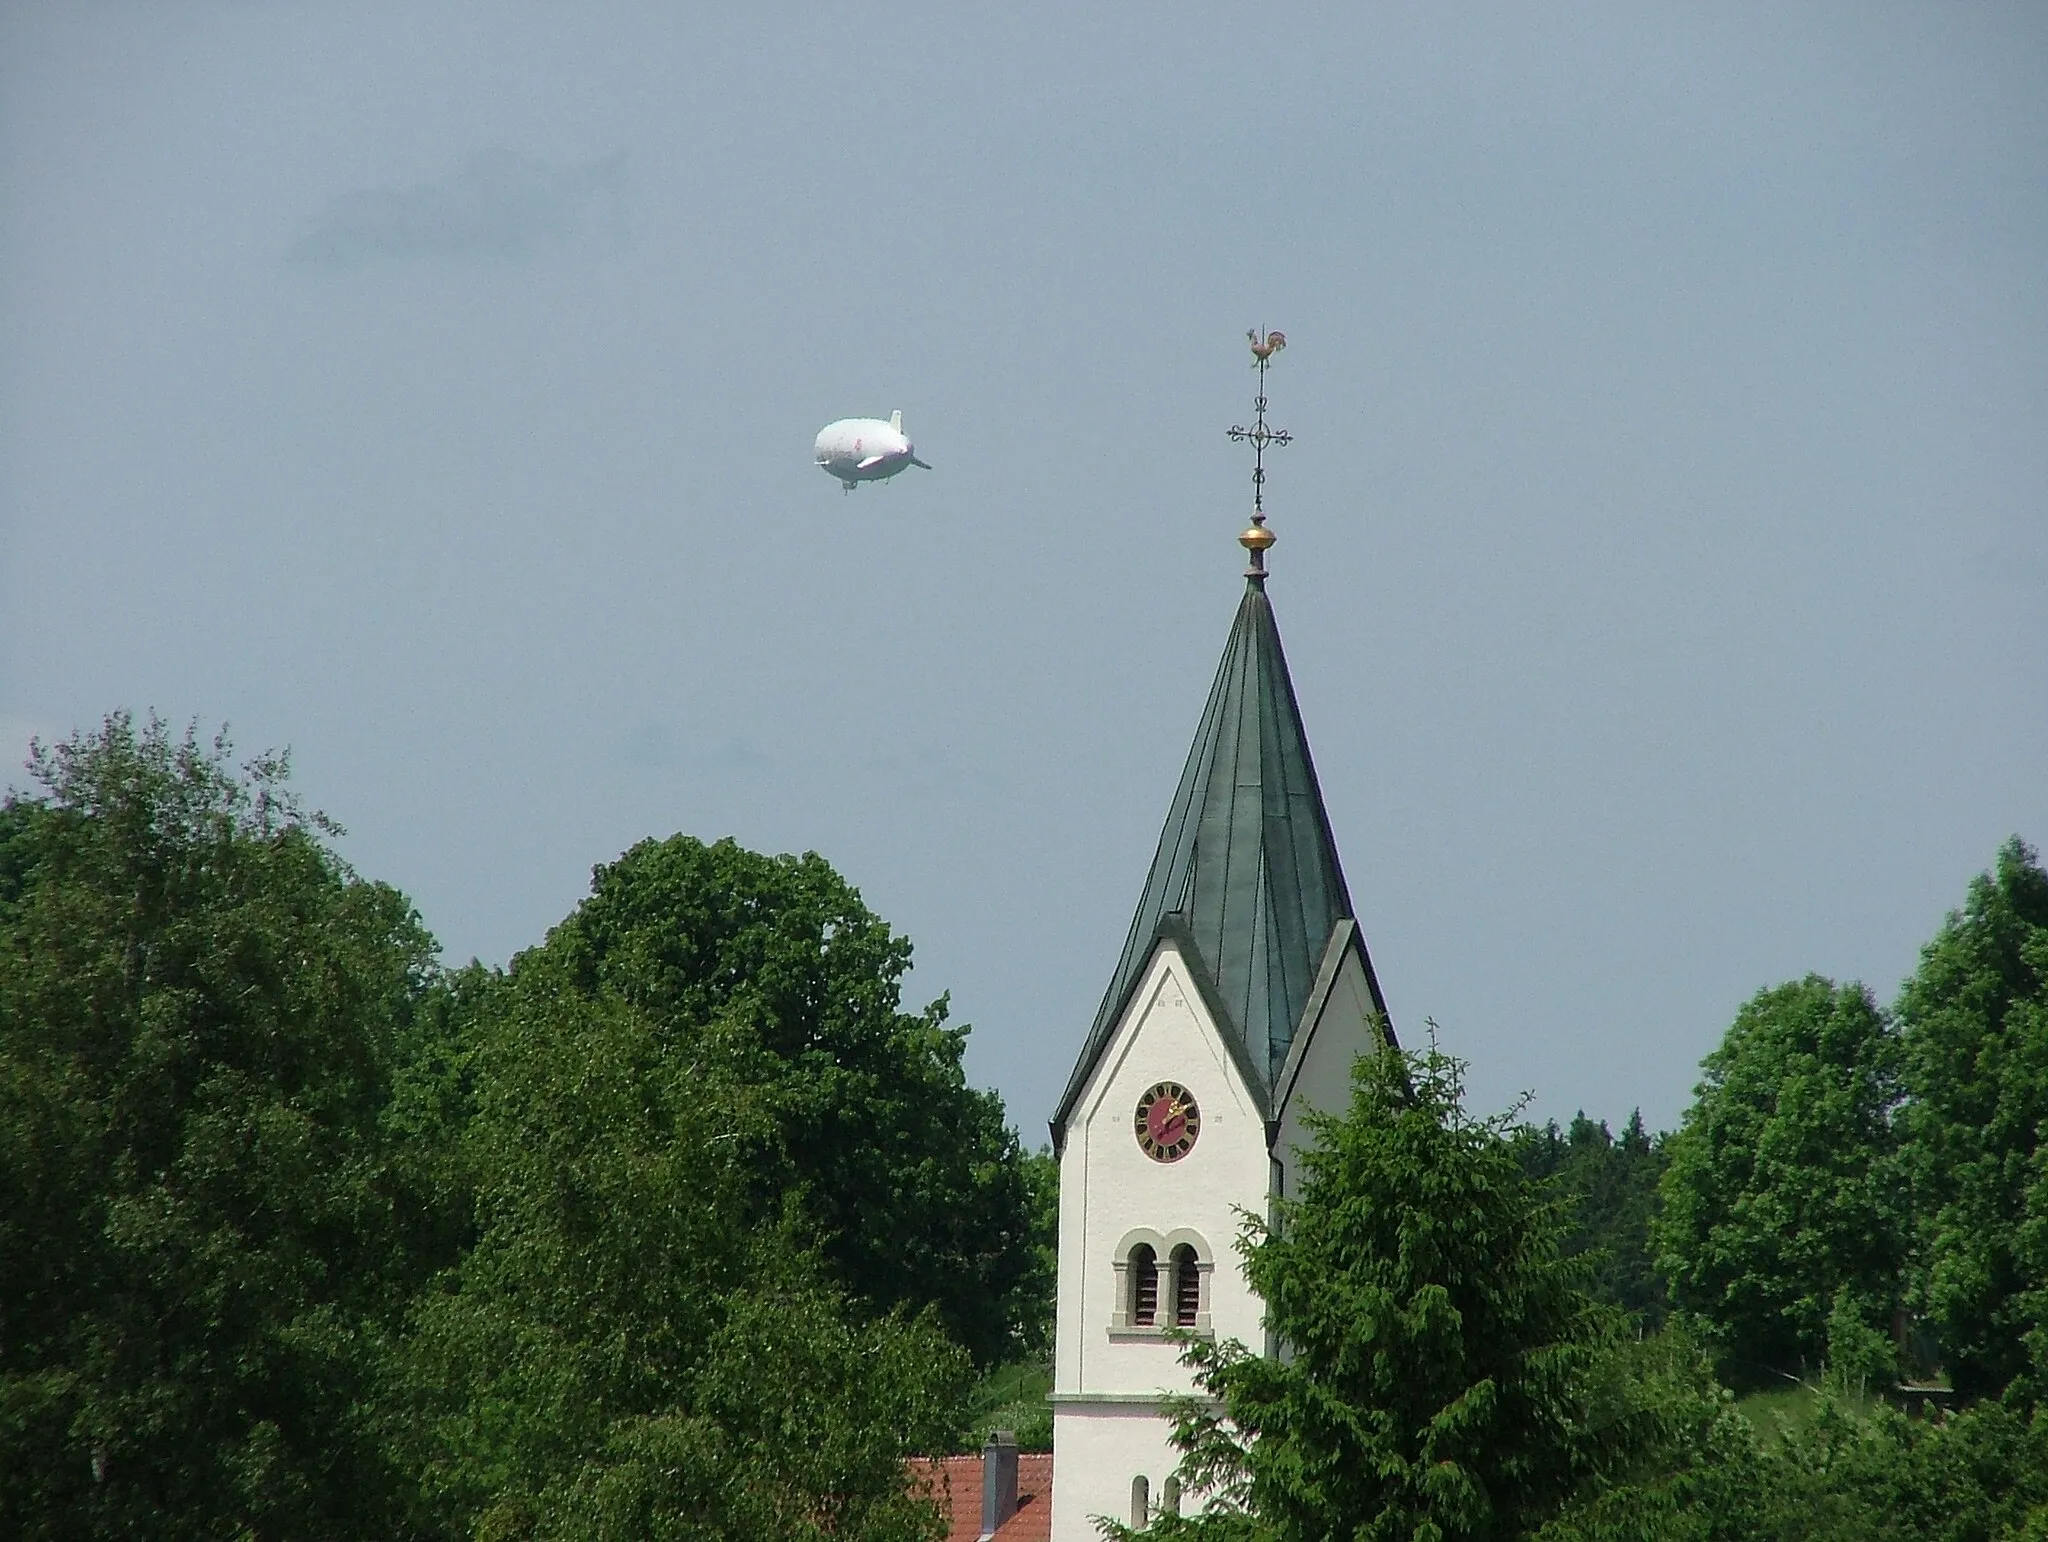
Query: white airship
857, 450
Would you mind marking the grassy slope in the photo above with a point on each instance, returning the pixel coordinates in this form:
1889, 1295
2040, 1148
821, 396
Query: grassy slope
1012, 1397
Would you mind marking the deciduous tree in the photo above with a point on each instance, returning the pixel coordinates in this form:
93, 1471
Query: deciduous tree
631, 1348
1840, 1472
200, 1232
773, 967
1974, 1018
1779, 1196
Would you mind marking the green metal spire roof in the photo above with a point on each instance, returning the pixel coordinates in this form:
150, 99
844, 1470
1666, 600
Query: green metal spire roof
1246, 876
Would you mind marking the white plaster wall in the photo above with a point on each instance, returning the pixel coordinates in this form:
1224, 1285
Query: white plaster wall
1068, 1282
1105, 1429
1096, 1450
1342, 1031
1109, 1187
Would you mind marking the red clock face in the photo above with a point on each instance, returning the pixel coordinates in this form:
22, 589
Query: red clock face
1167, 1122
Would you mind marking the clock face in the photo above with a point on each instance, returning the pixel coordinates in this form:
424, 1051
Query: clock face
1167, 1122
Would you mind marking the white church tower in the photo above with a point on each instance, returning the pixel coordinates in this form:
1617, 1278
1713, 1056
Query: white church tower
1243, 996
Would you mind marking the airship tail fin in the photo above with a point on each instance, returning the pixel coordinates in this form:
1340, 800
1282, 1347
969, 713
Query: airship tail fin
896, 420
916, 462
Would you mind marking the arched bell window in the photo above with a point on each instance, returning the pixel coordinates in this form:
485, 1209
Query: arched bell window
1187, 1287
1162, 1283
1169, 1496
1141, 1503
1144, 1273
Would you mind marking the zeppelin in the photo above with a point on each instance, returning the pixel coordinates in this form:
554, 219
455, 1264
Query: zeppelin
858, 450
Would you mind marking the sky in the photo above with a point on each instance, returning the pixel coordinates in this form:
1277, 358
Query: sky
1663, 547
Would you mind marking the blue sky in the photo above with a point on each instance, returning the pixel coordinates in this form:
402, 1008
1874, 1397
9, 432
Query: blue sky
1663, 551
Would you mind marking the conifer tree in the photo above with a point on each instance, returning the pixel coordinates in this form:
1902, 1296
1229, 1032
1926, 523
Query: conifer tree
1607, 1185
1433, 1379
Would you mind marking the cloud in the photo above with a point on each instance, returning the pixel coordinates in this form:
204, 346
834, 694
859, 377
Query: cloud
499, 205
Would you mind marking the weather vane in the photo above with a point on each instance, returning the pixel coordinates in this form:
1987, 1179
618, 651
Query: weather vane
1258, 538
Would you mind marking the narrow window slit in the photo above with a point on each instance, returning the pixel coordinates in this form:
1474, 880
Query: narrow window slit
1144, 1286
1187, 1287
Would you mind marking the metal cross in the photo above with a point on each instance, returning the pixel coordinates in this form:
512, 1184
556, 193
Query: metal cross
1258, 538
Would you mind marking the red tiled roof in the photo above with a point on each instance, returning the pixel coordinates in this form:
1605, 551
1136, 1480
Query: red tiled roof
955, 1481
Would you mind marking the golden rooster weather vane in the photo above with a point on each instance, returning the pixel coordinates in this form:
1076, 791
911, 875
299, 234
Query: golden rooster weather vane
1258, 436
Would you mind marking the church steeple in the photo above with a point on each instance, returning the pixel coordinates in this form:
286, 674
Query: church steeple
1237, 1012
1246, 877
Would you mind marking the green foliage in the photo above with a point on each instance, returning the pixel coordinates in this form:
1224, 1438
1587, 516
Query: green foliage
1608, 1189
1861, 1359
1035, 1292
201, 1231
631, 1348
1436, 1383
1698, 1474
660, 1235
1013, 1398
683, 1229
1842, 1472
1974, 1018
773, 969
1778, 1198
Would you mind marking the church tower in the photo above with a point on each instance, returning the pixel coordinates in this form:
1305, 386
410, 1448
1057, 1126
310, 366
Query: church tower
1242, 997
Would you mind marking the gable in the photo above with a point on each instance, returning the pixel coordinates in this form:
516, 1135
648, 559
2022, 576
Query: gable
1345, 1017
1117, 1194
1173, 1012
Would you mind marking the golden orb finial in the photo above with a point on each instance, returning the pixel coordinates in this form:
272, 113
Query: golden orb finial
1255, 540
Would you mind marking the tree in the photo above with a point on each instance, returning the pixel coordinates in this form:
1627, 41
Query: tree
1700, 1472
1608, 1188
912, 1180
1974, 1020
1778, 1198
1843, 1472
631, 1349
1042, 1186
1437, 1347
201, 1235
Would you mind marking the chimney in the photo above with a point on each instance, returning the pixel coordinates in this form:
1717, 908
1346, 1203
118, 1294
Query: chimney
998, 1481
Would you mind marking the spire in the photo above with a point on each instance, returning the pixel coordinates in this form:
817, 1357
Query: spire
1245, 881
1246, 877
